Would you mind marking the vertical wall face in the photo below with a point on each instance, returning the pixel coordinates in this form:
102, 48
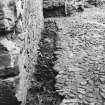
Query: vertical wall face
32, 25
21, 22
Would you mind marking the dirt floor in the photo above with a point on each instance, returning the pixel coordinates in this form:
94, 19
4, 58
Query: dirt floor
81, 59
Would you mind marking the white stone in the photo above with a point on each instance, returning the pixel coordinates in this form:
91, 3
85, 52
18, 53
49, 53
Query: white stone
83, 83
80, 90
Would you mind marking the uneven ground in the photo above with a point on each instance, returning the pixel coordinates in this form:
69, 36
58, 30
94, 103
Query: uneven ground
81, 59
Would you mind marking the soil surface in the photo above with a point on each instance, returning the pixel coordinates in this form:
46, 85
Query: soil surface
81, 58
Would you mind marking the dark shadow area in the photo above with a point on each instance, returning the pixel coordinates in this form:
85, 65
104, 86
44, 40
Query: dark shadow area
54, 11
7, 97
9, 72
43, 90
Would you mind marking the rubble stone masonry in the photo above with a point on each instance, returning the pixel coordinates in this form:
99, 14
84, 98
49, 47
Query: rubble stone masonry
21, 22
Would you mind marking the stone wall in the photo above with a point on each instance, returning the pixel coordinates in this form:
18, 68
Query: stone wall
32, 27
58, 8
21, 22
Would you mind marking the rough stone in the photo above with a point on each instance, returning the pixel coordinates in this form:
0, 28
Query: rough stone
7, 95
11, 59
102, 94
82, 91
8, 16
5, 60
83, 83
7, 72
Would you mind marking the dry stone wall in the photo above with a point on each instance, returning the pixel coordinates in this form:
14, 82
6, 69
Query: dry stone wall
32, 25
21, 22
9, 53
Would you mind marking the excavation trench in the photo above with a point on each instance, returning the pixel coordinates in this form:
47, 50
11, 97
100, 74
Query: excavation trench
43, 90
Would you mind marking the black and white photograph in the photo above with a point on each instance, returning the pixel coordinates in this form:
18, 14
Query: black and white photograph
52, 52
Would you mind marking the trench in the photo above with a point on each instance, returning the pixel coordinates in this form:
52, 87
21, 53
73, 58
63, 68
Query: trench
42, 89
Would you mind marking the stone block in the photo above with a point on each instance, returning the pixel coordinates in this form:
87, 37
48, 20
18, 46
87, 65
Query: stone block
8, 60
9, 72
3, 50
5, 60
